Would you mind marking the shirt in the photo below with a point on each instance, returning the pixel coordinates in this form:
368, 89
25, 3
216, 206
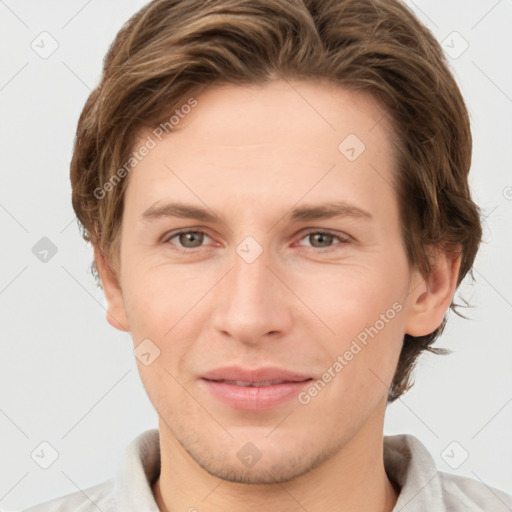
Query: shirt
406, 460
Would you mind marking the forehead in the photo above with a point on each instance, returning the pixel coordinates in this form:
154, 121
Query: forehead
278, 140
318, 110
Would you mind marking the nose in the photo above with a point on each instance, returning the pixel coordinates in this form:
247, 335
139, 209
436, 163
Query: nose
252, 303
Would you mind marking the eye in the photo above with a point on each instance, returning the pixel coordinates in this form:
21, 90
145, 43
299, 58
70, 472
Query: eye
187, 240
191, 239
324, 239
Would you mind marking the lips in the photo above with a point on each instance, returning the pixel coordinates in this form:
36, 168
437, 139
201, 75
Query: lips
258, 389
252, 384
259, 376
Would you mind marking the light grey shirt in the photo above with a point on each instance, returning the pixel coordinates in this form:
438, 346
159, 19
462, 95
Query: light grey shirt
406, 460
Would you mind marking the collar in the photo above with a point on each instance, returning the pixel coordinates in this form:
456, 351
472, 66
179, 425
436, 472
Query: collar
407, 463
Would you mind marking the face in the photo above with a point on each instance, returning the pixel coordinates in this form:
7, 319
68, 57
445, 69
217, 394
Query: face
297, 264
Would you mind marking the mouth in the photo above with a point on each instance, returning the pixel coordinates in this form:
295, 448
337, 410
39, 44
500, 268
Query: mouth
250, 384
264, 375
254, 395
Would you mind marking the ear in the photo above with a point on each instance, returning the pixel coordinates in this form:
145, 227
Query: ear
116, 313
432, 295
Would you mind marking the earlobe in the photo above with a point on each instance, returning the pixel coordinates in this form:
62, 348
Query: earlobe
116, 313
431, 296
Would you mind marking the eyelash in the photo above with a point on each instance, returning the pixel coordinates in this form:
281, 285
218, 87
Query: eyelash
342, 239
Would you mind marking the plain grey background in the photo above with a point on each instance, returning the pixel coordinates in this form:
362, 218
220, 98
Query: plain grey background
70, 380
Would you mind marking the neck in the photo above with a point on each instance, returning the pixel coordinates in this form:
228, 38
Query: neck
354, 479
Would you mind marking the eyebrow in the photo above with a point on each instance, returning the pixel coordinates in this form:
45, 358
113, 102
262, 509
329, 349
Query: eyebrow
337, 209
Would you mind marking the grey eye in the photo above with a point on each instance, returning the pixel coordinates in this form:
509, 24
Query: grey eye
323, 239
188, 239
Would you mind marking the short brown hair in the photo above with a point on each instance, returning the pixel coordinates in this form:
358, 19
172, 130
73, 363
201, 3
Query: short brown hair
172, 49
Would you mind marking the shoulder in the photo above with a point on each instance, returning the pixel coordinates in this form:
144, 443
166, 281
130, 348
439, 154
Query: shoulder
98, 497
130, 489
466, 494
424, 488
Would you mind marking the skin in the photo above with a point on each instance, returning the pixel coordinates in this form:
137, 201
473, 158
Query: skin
251, 154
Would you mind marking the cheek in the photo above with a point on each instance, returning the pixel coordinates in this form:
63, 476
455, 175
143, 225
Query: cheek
160, 309
357, 377
157, 297
364, 311
349, 298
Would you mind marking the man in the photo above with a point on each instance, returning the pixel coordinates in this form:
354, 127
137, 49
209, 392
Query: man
277, 195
